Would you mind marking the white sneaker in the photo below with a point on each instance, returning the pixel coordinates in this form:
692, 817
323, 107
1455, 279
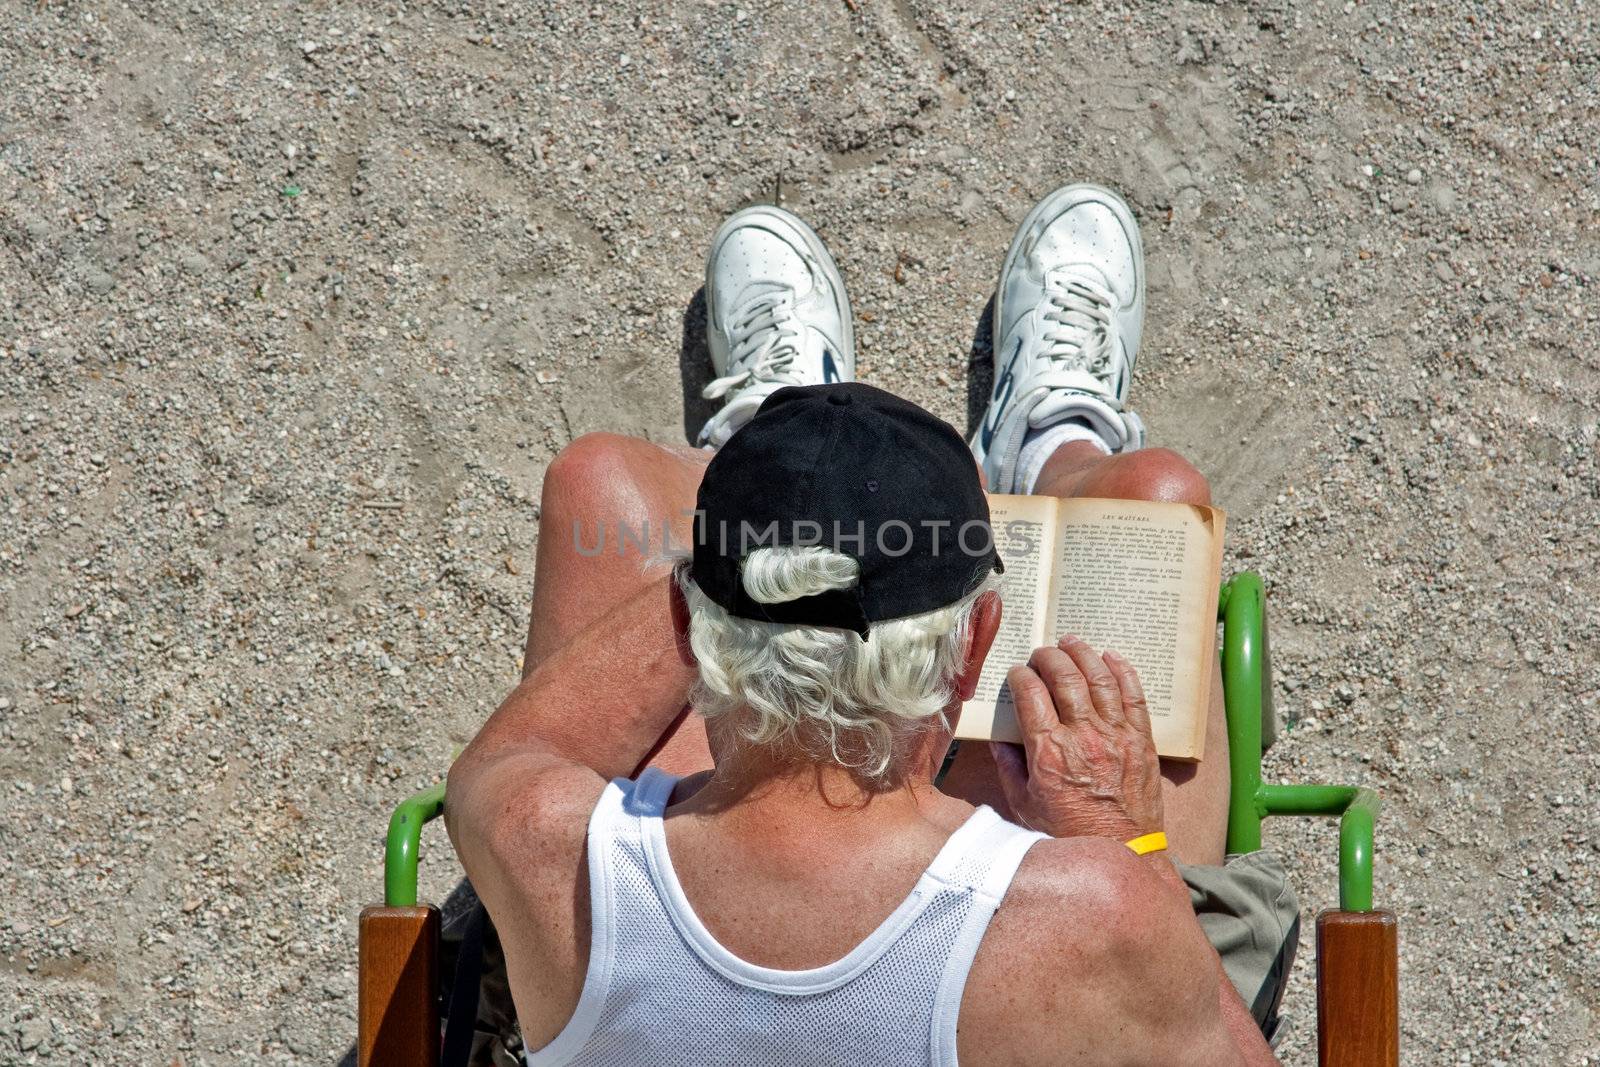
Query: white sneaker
776, 315
1067, 318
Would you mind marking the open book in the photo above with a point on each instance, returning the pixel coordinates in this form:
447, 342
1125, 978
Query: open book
1134, 576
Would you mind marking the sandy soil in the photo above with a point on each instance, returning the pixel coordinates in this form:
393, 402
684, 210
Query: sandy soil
297, 301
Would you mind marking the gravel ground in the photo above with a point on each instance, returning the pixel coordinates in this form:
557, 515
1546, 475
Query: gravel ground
297, 301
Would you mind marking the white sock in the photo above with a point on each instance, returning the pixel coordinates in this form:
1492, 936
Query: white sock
1039, 445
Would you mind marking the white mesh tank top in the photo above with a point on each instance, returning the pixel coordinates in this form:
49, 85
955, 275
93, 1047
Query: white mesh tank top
661, 990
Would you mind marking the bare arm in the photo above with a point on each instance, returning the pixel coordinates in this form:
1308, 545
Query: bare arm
602, 701
590, 712
1241, 1025
1188, 1006
1089, 768
518, 799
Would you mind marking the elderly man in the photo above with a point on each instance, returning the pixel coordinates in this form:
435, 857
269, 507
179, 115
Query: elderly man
776, 877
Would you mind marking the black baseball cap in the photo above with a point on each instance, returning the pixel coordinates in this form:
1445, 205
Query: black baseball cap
856, 470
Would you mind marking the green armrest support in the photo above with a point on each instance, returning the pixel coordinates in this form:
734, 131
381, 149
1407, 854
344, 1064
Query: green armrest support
1247, 696
405, 839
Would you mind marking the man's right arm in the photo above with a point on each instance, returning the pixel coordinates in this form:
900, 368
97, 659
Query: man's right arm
1243, 1031
1094, 958
1089, 770
1172, 987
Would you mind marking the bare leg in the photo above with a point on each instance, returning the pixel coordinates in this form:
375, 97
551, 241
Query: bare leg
611, 483
1195, 795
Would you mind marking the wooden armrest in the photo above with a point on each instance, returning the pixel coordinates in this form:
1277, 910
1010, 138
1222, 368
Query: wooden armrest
1358, 989
398, 1015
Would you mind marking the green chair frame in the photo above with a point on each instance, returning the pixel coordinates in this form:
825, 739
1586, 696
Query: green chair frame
1247, 695
1359, 1002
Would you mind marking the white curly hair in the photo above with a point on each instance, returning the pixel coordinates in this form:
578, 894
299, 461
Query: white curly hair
817, 693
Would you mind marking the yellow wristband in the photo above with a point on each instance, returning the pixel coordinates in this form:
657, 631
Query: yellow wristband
1145, 844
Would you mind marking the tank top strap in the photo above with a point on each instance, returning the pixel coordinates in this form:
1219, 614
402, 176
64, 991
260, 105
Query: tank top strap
1009, 847
983, 853
1005, 846
624, 803
648, 796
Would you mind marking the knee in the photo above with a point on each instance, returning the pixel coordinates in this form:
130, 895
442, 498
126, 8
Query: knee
1161, 474
594, 469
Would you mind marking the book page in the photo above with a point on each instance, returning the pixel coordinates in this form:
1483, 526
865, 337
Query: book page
1141, 578
1025, 533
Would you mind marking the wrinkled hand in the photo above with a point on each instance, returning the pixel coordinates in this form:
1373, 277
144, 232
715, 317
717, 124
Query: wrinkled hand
1087, 765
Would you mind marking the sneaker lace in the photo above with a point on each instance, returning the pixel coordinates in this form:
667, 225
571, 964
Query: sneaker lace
763, 341
1079, 336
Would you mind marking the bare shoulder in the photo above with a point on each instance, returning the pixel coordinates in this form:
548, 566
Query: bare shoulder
520, 828
1075, 898
1094, 957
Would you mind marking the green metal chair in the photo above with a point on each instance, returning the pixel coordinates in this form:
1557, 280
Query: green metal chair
1357, 946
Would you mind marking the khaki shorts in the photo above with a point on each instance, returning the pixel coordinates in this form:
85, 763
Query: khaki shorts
1251, 916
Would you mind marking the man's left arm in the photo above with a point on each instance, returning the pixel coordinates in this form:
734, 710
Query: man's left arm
518, 799
604, 699
592, 711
